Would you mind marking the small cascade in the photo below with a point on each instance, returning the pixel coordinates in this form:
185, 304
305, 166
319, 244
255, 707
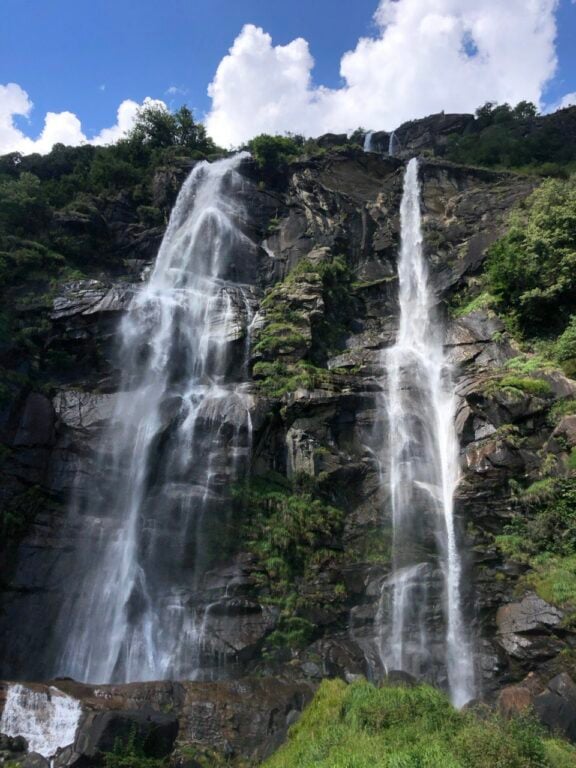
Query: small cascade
47, 720
369, 142
421, 471
180, 435
393, 145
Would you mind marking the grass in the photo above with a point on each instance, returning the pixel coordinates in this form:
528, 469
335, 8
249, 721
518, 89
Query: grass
483, 301
518, 386
525, 364
361, 726
554, 579
560, 409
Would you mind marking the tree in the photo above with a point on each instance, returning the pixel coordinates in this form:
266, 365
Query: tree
23, 207
157, 128
532, 269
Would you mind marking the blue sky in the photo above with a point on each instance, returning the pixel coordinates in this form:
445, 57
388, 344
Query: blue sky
87, 58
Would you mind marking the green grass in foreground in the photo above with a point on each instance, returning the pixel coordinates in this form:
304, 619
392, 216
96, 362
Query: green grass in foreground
360, 726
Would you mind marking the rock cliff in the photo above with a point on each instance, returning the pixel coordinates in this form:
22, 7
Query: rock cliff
324, 307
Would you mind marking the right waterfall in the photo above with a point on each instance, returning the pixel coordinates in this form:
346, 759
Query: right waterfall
422, 471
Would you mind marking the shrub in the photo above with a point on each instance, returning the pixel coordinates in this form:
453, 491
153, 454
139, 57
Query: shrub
532, 270
273, 153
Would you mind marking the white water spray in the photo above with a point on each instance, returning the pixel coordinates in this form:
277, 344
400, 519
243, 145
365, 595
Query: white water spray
393, 144
180, 434
423, 473
47, 720
369, 142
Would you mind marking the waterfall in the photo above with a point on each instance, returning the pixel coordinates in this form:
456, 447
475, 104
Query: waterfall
393, 144
180, 434
423, 471
47, 720
368, 142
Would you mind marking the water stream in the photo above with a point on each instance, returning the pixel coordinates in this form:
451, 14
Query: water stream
47, 719
180, 433
422, 471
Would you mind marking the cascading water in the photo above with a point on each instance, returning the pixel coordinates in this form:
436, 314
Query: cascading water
180, 433
46, 719
369, 142
422, 473
393, 144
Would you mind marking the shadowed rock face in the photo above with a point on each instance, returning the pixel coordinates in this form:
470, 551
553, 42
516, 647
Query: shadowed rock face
246, 719
347, 204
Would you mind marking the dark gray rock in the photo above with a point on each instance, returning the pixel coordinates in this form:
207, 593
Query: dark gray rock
36, 426
34, 760
100, 732
556, 707
524, 628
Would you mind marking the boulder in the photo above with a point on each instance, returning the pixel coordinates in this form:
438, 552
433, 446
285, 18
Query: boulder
34, 760
514, 699
556, 707
525, 629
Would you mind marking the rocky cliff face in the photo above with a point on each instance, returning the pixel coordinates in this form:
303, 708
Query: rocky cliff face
325, 306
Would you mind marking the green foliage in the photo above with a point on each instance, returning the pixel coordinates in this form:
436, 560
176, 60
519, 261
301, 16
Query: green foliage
507, 137
273, 153
129, 753
526, 364
561, 408
158, 128
531, 271
483, 301
286, 528
293, 346
544, 537
26, 260
360, 726
554, 579
278, 378
518, 386
565, 348
23, 205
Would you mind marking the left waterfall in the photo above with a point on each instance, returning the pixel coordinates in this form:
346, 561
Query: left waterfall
179, 434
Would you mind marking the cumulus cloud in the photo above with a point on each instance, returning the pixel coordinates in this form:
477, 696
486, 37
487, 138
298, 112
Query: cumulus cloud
59, 127
569, 100
427, 55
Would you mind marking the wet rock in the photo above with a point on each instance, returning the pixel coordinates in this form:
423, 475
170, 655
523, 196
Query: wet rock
34, 760
398, 677
36, 426
12, 743
236, 627
83, 410
100, 732
566, 431
77, 297
525, 628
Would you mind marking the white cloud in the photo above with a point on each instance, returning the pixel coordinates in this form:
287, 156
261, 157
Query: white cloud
176, 90
428, 55
569, 99
59, 127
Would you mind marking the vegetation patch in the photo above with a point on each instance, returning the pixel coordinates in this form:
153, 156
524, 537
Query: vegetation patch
519, 386
294, 342
361, 726
543, 536
290, 530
